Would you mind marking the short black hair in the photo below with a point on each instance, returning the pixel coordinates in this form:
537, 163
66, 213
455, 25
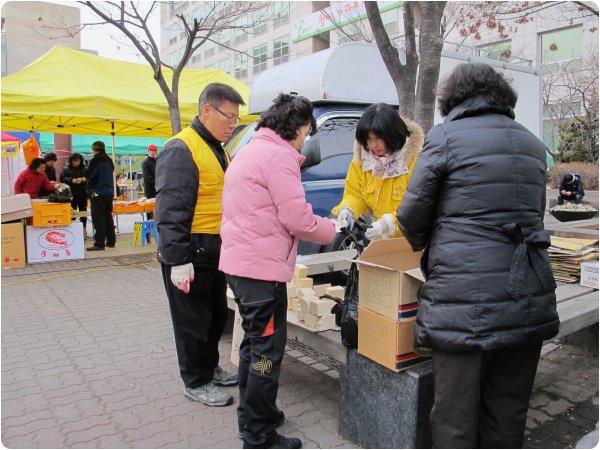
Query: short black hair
37, 162
569, 178
99, 146
287, 114
50, 156
385, 123
75, 156
216, 93
471, 80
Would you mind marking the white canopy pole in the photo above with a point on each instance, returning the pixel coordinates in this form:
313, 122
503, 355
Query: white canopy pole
112, 133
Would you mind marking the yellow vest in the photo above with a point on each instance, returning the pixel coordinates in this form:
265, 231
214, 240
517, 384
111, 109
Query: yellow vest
208, 212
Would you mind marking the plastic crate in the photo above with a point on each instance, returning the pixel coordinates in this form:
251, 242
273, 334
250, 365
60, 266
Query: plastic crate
46, 214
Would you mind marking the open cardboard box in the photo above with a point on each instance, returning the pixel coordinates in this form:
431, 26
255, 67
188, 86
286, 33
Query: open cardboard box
389, 278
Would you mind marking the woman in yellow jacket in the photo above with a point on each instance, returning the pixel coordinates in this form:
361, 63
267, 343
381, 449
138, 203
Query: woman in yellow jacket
385, 153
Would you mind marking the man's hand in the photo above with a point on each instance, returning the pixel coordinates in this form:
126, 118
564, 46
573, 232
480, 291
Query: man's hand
182, 276
381, 229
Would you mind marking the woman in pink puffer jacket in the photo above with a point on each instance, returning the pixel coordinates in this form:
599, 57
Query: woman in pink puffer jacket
264, 215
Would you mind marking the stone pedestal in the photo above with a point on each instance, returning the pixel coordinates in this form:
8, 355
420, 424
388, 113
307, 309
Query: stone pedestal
384, 409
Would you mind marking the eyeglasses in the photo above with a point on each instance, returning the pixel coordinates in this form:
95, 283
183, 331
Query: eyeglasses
233, 119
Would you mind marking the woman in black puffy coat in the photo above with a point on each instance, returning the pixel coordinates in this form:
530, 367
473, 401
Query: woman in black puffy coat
73, 174
475, 204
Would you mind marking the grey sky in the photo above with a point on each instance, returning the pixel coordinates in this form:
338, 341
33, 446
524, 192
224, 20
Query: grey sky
107, 40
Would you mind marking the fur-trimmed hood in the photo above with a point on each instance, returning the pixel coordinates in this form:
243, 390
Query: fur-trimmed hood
411, 149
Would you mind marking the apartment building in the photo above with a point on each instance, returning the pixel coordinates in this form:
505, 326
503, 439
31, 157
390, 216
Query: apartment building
560, 37
283, 31
30, 29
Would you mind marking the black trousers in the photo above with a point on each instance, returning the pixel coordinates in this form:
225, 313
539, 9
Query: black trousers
104, 225
80, 204
573, 199
263, 308
481, 398
199, 319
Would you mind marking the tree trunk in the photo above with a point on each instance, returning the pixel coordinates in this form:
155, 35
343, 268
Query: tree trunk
401, 77
409, 77
175, 117
430, 52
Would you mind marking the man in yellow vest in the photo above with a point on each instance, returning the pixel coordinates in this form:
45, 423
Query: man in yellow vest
189, 182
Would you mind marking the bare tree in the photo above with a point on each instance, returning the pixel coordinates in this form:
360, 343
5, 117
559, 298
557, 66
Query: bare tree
132, 20
571, 106
416, 89
474, 19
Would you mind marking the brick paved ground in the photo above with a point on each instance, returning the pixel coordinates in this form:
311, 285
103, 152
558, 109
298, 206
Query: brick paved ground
88, 360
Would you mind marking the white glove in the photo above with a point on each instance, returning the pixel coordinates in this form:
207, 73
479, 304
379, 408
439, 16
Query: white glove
182, 276
381, 229
345, 218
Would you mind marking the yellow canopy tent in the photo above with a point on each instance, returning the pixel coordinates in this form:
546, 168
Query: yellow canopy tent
73, 92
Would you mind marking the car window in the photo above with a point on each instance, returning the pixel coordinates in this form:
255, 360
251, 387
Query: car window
336, 135
240, 138
330, 168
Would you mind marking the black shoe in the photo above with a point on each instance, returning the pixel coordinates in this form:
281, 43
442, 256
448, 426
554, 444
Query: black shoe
111, 245
283, 442
94, 249
280, 422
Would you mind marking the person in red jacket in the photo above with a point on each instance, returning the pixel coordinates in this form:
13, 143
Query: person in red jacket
33, 179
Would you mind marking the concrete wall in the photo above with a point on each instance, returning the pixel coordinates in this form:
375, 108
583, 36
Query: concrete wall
30, 29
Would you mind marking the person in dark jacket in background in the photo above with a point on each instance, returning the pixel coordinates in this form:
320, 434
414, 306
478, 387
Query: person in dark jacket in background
475, 204
50, 171
190, 173
100, 187
149, 174
51, 159
571, 189
73, 174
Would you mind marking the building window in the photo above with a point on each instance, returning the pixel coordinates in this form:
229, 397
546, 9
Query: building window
390, 21
174, 58
241, 32
281, 50
225, 40
225, 65
173, 33
260, 21
260, 59
281, 13
177, 7
241, 65
562, 49
196, 58
499, 51
209, 48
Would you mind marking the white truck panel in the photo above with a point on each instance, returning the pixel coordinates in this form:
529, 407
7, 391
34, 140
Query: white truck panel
355, 73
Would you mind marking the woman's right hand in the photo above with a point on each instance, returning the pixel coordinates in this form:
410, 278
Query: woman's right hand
345, 218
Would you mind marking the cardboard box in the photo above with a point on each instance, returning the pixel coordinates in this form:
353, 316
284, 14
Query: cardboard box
13, 245
389, 278
589, 274
55, 243
387, 341
15, 207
